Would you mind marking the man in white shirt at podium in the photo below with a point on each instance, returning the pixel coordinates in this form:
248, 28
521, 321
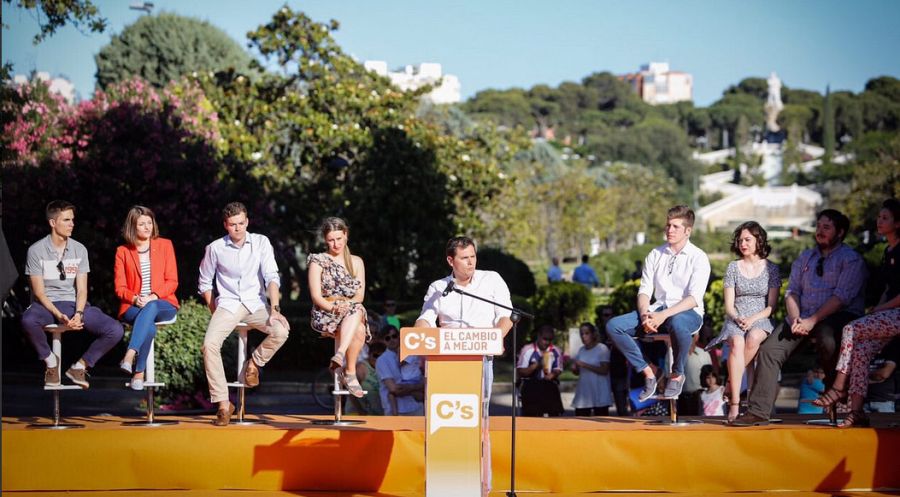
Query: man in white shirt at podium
448, 309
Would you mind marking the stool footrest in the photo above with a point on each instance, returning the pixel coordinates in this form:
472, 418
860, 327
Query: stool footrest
62, 387
147, 385
345, 392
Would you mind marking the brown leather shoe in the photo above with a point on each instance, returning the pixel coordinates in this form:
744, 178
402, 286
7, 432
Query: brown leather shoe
78, 377
51, 375
749, 419
251, 374
223, 417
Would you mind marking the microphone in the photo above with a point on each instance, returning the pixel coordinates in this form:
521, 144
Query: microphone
449, 289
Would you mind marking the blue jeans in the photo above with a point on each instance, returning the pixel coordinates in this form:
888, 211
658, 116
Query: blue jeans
622, 330
143, 321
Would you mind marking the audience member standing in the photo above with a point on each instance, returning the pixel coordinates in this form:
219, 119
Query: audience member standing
585, 274
593, 393
555, 273
539, 366
402, 386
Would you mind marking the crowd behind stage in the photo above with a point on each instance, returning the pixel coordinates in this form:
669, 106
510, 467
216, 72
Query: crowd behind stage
664, 349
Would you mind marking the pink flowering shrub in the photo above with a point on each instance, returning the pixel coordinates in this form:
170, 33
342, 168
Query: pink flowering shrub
132, 144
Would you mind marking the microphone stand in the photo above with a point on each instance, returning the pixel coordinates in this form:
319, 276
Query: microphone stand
515, 317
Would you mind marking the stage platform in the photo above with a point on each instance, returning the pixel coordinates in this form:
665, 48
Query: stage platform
385, 456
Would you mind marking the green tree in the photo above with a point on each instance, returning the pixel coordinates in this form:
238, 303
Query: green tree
827, 128
165, 47
54, 14
323, 136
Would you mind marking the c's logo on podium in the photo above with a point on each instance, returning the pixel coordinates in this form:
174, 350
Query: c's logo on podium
415, 341
453, 411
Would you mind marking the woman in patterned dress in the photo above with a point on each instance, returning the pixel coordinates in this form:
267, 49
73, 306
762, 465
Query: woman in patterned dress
337, 285
863, 338
751, 294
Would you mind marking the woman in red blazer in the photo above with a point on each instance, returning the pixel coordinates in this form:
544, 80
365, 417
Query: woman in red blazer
146, 279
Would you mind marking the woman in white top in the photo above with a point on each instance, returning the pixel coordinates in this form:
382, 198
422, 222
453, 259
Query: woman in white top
593, 394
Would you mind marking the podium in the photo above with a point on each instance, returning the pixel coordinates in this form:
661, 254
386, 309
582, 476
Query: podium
457, 444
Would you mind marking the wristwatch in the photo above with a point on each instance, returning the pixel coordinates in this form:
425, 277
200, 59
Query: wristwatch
276, 308
80, 312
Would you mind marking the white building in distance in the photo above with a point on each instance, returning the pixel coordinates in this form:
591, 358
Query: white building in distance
446, 89
656, 84
60, 86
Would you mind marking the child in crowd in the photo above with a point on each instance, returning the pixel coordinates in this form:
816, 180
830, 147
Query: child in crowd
810, 388
711, 398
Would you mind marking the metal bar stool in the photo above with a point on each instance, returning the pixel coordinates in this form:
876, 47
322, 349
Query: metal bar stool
242, 329
56, 330
673, 401
150, 385
338, 420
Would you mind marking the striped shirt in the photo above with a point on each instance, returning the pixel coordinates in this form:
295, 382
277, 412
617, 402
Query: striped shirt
145, 272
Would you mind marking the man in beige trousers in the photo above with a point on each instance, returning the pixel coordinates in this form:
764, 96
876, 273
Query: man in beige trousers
245, 272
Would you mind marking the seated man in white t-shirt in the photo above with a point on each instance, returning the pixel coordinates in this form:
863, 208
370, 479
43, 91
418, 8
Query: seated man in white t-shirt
401, 393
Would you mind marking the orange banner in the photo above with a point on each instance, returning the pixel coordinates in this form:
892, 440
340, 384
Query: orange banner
450, 342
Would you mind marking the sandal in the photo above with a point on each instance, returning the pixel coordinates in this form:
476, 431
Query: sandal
337, 362
855, 418
734, 410
831, 397
353, 385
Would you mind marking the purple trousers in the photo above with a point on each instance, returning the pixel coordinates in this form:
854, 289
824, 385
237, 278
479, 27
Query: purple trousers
108, 331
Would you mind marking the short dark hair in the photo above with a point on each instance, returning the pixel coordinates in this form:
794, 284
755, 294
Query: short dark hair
459, 242
585, 258
546, 328
762, 239
892, 205
681, 212
233, 209
376, 348
841, 222
56, 206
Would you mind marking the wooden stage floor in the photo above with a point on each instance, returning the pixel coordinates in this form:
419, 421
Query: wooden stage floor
559, 456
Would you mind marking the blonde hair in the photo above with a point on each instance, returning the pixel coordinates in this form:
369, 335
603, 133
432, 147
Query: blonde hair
337, 224
129, 230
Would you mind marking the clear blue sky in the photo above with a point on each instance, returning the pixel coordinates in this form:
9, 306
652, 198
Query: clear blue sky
503, 44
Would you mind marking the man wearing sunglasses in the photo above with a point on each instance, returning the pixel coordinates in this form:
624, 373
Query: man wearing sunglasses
825, 292
57, 268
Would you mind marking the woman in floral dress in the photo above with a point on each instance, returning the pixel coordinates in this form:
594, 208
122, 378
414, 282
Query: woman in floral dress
863, 338
751, 294
337, 285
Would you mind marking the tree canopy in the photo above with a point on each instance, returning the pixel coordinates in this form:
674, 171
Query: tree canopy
165, 47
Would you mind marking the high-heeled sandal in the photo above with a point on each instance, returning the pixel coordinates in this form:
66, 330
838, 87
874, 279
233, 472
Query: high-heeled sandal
855, 418
337, 361
737, 411
353, 386
831, 397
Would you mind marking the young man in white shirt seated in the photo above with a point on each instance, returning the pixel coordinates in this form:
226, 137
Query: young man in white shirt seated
675, 275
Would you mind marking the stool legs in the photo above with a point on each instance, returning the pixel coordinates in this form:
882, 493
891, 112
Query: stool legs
242, 354
338, 420
673, 402
57, 424
150, 386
